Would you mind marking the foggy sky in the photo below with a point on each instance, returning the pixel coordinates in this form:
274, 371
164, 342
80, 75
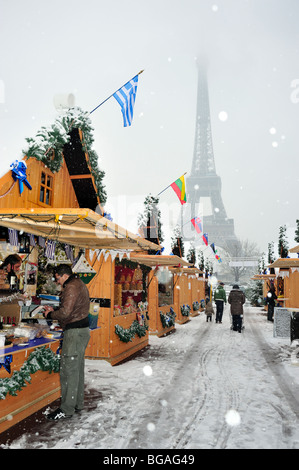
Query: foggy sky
92, 48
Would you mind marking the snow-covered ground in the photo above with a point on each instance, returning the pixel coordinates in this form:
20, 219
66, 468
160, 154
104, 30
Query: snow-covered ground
202, 387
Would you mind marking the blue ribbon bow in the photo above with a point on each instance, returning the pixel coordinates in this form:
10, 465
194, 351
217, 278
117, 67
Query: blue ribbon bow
19, 173
5, 362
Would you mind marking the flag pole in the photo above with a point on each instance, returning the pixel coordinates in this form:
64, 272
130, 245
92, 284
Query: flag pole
170, 185
115, 92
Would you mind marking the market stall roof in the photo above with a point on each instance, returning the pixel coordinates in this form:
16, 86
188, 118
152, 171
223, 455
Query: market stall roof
285, 263
159, 260
78, 227
295, 249
192, 270
259, 277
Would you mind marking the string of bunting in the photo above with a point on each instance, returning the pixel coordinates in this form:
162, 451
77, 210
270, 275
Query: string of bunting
48, 245
179, 188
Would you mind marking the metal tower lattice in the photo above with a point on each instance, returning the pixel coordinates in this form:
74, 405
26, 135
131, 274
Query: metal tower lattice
203, 181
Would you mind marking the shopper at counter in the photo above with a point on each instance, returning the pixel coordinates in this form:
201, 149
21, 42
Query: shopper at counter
8, 270
72, 315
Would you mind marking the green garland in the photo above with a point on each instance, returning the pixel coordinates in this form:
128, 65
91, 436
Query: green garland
168, 319
185, 310
128, 334
48, 144
43, 359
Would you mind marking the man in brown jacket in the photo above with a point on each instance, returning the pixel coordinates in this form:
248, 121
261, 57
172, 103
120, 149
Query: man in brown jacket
72, 315
236, 299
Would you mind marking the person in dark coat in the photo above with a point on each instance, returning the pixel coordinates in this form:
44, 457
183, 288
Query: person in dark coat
236, 299
270, 301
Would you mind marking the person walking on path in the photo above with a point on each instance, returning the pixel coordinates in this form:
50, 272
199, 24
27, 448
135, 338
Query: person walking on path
209, 309
220, 300
236, 299
72, 315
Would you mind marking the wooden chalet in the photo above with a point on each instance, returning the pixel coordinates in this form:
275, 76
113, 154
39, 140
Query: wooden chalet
287, 281
61, 206
267, 280
161, 291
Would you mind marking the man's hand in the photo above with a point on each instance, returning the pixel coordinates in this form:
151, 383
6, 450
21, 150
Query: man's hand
47, 309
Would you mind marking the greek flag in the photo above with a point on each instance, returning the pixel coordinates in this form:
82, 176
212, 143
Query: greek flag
32, 240
125, 96
69, 252
41, 241
13, 237
50, 249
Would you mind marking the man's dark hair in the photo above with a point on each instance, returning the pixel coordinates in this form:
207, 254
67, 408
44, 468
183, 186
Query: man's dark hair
63, 269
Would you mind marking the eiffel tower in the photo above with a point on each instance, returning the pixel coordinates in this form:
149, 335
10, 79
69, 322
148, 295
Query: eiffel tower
203, 181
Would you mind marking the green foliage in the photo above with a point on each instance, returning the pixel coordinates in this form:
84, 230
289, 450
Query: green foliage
168, 319
283, 247
127, 334
177, 243
48, 144
254, 293
271, 257
185, 310
191, 255
149, 222
40, 359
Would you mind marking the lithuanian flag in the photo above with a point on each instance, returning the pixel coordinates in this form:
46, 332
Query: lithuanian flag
179, 188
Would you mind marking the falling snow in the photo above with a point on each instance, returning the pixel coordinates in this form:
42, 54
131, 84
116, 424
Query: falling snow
201, 387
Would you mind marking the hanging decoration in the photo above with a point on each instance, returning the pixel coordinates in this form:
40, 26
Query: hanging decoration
84, 270
168, 319
5, 362
185, 310
18, 170
127, 334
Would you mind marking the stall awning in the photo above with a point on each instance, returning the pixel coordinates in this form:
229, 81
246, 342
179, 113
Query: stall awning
159, 260
192, 270
263, 277
78, 227
295, 249
285, 263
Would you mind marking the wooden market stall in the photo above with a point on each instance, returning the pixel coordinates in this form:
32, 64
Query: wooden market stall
59, 208
182, 294
287, 282
267, 280
162, 310
86, 229
197, 290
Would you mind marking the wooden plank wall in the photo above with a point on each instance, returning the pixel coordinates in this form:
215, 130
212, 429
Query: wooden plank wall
63, 191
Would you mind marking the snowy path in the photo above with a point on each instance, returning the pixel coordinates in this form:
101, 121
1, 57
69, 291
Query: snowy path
179, 392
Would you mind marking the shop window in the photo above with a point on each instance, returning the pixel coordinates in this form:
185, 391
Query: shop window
165, 287
46, 188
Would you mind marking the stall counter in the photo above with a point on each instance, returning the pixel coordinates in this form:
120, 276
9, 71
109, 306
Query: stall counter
43, 388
